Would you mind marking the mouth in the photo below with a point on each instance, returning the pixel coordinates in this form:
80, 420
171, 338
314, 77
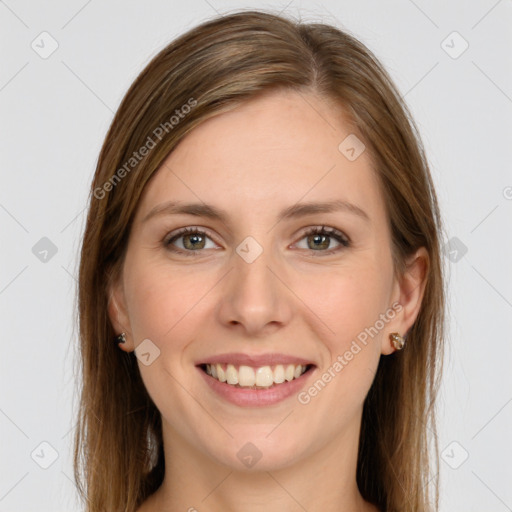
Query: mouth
255, 377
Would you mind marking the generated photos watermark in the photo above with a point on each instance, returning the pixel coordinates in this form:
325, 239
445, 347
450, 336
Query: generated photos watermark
151, 142
304, 397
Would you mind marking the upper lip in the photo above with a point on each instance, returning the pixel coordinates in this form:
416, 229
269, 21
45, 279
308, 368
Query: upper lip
238, 359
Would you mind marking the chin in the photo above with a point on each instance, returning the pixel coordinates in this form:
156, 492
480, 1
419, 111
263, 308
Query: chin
253, 450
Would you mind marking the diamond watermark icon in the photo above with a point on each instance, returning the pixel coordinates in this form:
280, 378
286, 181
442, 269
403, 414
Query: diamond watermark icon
454, 455
147, 352
249, 454
249, 249
454, 45
44, 250
352, 147
44, 45
44, 455
455, 249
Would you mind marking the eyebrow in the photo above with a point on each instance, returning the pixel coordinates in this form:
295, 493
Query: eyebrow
295, 211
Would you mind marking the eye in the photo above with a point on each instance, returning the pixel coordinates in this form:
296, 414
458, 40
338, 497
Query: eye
320, 238
192, 240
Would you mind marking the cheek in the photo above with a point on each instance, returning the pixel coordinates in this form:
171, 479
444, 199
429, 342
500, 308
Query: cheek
347, 300
170, 306
159, 301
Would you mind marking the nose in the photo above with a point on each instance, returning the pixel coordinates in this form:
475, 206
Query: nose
255, 297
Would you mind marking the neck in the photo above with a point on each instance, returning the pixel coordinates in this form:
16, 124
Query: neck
323, 481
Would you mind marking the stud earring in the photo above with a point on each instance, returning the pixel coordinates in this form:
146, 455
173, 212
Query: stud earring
397, 340
121, 338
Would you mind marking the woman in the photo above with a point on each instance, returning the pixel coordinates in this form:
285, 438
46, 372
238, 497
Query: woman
261, 293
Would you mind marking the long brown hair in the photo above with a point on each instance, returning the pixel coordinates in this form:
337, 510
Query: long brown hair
118, 456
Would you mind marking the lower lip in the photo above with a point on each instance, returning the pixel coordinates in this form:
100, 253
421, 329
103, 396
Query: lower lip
256, 397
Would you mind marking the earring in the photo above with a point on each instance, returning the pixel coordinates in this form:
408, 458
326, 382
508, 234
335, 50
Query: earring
397, 340
121, 338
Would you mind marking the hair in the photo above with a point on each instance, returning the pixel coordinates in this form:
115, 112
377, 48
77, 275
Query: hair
213, 68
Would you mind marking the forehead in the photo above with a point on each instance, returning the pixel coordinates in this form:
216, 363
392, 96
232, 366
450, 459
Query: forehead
268, 153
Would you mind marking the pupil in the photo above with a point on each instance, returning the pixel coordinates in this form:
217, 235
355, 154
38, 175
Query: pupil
319, 238
193, 239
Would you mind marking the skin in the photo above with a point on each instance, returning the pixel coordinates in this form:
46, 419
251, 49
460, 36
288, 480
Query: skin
267, 154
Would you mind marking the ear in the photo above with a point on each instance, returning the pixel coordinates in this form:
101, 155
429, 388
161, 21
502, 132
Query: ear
408, 293
118, 312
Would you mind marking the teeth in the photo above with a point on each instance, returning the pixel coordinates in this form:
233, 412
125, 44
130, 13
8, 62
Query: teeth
289, 372
221, 374
231, 374
247, 376
264, 377
279, 374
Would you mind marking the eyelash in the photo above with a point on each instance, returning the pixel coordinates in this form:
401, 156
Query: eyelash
323, 230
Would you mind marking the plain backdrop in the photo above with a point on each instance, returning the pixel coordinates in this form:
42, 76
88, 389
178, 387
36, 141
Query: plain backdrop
64, 69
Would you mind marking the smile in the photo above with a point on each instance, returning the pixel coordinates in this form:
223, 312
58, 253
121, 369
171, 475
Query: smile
256, 380
250, 377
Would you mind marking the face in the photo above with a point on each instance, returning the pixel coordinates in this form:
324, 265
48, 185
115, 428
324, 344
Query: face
297, 301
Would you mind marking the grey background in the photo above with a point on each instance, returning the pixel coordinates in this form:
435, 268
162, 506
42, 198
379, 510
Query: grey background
54, 115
